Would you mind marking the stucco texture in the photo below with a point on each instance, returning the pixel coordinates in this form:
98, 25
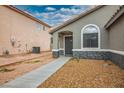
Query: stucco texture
99, 17
116, 34
24, 30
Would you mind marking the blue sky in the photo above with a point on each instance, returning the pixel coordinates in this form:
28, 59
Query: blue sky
54, 14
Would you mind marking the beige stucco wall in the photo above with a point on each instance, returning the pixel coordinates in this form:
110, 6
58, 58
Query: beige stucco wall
99, 17
23, 29
116, 35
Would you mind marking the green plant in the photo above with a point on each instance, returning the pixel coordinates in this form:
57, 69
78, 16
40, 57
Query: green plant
36, 61
6, 52
76, 58
3, 69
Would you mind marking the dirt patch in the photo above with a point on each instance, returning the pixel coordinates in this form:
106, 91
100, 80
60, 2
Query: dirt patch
86, 74
13, 59
11, 72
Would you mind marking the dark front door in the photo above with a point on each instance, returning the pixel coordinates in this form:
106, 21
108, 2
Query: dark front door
68, 45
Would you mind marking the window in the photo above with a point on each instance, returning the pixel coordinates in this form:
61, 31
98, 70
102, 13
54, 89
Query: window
38, 26
44, 28
90, 36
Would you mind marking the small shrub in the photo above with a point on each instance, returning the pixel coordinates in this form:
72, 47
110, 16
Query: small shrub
36, 61
76, 58
3, 69
6, 52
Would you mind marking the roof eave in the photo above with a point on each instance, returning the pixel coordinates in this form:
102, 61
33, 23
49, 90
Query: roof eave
26, 14
75, 18
115, 17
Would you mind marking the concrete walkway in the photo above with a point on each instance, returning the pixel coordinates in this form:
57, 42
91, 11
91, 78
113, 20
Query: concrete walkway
34, 78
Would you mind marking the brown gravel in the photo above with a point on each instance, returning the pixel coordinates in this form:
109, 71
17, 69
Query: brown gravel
23, 67
86, 74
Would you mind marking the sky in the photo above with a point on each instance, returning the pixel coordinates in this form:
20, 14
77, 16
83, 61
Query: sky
53, 14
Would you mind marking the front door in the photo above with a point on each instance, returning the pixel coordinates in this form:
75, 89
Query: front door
68, 45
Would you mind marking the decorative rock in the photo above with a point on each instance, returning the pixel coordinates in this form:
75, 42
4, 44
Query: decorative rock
105, 65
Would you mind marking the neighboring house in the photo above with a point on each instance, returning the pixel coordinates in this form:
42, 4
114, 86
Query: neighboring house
85, 36
20, 32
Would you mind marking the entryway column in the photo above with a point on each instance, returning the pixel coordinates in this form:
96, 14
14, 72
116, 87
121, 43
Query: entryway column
55, 50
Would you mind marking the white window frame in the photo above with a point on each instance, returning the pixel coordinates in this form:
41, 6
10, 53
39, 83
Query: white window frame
99, 38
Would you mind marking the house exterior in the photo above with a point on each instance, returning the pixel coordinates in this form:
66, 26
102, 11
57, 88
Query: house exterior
20, 32
115, 28
86, 36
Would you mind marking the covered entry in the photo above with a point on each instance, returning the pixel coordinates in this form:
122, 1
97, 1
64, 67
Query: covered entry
66, 42
68, 45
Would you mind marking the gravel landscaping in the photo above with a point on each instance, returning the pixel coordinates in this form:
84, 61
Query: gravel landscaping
86, 74
13, 71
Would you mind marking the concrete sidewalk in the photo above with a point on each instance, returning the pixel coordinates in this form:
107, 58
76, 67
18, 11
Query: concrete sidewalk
35, 78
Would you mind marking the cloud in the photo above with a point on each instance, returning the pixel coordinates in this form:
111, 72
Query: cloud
74, 10
69, 11
50, 9
53, 18
44, 14
61, 15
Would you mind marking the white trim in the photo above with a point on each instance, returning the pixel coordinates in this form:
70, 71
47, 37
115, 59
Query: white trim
90, 49
55, 50
61, 48
117, 52
106, 50
64, 41
99, 36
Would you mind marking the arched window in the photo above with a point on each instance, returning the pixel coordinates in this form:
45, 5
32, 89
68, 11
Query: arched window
90, 36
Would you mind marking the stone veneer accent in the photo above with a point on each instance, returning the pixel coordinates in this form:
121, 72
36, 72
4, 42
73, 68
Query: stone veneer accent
61, 52
102, 55
55, 54
118, 59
